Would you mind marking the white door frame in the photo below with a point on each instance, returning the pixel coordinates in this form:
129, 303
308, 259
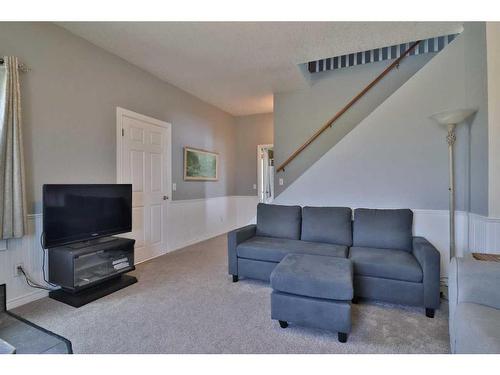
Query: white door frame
120, 113
259, 169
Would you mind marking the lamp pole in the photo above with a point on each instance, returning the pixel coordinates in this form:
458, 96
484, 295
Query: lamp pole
450, 119
451, 138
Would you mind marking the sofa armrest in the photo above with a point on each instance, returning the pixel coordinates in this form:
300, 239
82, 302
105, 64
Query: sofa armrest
234, 238
474, 281
429, 259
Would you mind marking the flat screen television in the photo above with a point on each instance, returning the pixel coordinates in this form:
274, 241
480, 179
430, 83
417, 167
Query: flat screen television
74, 213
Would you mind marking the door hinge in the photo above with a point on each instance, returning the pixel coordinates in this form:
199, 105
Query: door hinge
123, 132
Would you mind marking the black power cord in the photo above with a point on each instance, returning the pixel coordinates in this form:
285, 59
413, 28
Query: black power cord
42, 244
31, 283
28, 278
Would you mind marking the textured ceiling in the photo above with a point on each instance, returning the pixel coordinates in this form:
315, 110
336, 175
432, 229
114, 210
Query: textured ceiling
237, 66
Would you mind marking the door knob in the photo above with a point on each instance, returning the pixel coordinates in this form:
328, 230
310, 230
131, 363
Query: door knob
165, 197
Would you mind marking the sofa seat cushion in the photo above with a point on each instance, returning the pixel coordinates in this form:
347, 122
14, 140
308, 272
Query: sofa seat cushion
275, 249
386, 263
314, 276
476, 329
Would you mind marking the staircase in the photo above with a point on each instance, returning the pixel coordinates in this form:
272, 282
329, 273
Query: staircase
292, 162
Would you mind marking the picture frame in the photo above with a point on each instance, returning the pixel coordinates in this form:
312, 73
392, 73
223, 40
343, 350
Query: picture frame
200, 165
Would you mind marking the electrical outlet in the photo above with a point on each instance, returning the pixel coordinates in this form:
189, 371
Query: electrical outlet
254, 186
174, 186
281, 181
17, 272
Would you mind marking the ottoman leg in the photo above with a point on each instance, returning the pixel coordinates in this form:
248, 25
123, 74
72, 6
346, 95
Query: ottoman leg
235, 278
429, 313
283, 324
342, 337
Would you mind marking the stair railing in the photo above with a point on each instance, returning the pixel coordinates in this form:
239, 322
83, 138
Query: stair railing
339, 114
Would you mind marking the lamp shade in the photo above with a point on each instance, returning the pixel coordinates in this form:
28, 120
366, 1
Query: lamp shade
453, 117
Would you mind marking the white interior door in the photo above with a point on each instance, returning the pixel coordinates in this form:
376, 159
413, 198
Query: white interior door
143, 160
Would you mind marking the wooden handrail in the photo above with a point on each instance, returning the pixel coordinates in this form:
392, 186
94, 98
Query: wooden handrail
347, 106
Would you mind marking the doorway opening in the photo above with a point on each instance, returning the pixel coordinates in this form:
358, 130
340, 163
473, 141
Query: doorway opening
265, 173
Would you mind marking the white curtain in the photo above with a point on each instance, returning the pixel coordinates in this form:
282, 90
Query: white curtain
12, 183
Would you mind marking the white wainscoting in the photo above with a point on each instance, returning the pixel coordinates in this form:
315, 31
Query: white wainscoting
195, 220
434, 225
192, 221
28, 252
484, 234
189, 221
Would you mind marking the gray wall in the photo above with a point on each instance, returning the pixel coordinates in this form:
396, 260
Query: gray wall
250, 131
397, 156
300, 113
476, 96
69, 101
493, 67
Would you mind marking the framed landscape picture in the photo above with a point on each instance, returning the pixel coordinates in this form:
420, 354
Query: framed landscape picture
200, 165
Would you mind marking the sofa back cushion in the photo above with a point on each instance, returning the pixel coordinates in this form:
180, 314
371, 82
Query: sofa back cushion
388, 229
279, 221
327, 224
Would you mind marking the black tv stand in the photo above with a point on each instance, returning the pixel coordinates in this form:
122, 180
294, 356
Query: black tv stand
91, 294
91, 270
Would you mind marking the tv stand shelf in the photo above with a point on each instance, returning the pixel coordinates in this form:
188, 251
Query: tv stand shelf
85, 272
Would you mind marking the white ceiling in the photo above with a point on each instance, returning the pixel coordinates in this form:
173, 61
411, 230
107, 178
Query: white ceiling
237, 66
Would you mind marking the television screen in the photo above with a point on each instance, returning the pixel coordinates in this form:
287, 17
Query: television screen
73, 213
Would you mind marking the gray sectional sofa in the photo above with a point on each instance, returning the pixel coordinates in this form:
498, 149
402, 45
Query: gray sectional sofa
474, 299
389, 263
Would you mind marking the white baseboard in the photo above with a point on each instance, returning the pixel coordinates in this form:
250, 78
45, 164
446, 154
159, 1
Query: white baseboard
12, 303
200, 239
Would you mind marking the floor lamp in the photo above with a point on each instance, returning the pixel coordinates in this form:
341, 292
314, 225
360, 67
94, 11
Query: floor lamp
451, 119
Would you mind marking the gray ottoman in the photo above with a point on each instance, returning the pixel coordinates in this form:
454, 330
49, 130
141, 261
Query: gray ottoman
313, 290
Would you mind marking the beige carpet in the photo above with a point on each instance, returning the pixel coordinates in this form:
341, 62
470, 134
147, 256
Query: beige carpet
185, 302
